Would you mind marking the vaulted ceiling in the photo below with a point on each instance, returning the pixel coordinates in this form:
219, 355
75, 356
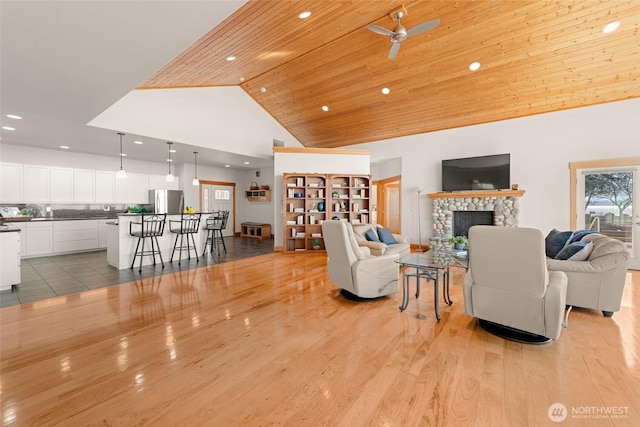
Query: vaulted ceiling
534, 56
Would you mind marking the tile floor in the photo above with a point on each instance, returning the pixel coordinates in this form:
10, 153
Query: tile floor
53, 276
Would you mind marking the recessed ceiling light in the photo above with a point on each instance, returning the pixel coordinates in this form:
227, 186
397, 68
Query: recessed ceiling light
13, 116
611, 27
304, 15
474, 66
241, 79
231, 58
227, 166
123, 154
172, 151
247, 163
8, 128
138, 142
386, 91
169, 160
325, 108
64, 147
263, 89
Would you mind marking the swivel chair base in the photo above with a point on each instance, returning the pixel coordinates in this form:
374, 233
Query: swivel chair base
512, 334
353, 297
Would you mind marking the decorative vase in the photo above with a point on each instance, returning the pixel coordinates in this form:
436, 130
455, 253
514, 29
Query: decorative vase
321, 206
458, 246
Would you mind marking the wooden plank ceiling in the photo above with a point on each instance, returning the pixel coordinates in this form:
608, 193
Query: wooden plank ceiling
536, 57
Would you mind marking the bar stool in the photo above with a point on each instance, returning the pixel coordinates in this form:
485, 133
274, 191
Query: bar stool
150, 227
216, 223
187, 226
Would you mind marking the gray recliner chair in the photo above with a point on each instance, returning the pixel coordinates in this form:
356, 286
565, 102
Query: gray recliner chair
508, 287
353, 269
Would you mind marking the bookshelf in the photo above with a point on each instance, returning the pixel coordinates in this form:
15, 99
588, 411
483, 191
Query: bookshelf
310, 199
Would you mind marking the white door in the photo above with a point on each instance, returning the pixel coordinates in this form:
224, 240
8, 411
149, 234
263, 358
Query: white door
220, 198
609, 202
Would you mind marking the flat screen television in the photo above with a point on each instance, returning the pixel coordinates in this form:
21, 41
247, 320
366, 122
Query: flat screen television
477, 173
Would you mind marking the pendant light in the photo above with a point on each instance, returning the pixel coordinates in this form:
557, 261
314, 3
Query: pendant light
195, 181
170, 177
121, 174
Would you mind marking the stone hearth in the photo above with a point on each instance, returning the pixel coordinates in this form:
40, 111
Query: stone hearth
504, 205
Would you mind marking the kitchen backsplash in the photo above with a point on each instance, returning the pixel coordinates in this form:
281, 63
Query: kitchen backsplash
71, 210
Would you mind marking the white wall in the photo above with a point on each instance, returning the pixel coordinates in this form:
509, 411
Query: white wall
386, 168
541, 148
310, 163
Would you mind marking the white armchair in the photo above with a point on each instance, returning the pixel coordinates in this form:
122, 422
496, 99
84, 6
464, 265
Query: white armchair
353, 269
508, 286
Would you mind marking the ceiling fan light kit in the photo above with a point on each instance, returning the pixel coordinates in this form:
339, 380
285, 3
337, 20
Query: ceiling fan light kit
400, 33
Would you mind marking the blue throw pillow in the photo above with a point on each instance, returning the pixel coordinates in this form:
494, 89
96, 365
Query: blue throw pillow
555, 241
576, 251
578, 235
371, 236
386, 237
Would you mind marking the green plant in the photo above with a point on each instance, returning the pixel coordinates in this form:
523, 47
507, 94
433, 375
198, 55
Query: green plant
315, 243
458, 239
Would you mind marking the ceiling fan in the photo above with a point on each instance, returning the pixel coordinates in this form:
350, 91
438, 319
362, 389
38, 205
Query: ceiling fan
400, 34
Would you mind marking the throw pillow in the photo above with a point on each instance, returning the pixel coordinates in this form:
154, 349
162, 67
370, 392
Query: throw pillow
555, 241
576, 251
371, 236
578, 235
386, 237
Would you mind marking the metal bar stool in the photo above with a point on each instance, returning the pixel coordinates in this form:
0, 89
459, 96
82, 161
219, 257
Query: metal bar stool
150, 227
216, 224
187, 226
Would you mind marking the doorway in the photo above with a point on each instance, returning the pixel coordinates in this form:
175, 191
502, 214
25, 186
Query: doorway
388, 206
219, 196
607, 200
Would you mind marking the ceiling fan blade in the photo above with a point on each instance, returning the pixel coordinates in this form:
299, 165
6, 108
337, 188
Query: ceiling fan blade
394, 50
424, 27
380, 30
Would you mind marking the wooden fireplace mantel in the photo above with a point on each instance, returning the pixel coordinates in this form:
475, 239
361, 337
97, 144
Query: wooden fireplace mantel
477, 193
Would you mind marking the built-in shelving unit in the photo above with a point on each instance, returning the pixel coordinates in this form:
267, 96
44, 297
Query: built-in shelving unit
258, 195
310, 199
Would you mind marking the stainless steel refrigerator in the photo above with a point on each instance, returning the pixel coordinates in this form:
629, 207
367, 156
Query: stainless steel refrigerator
166, 201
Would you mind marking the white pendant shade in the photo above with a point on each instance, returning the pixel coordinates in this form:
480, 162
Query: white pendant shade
170, 177
121, 174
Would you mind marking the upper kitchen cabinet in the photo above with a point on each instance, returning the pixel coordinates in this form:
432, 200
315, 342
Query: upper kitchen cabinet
139, 188
36, 183
84, 190
61, 185
159, 182
105, 187
11, 183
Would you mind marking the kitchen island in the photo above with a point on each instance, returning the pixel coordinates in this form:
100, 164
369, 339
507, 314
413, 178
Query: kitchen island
9, 256
121, 246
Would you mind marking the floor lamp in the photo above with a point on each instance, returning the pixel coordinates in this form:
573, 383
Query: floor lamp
419, 190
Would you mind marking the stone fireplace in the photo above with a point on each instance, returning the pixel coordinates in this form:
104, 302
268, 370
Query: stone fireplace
454, 213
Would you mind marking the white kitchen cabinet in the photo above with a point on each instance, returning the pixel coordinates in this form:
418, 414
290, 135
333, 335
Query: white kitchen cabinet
84, 190
9, 259
36, 184
11, 190
73, 236
23, 237
103, 231
105, 187
123, 189
61, 188
140, 186
39, 238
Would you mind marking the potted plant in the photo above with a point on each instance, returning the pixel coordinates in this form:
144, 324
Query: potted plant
315, 243
458, 242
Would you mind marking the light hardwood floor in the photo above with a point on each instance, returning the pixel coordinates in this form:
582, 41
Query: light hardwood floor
269, 341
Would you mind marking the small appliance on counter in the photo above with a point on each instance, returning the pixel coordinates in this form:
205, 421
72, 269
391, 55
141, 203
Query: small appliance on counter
10, 213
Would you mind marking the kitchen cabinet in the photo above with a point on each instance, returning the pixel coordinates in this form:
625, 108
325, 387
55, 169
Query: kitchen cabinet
9, 259
105, 187
123, 189
159, 182
36, 184
103, 232
73, 236
61, 189
140, 187
84, 190
11, 190
39, 238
